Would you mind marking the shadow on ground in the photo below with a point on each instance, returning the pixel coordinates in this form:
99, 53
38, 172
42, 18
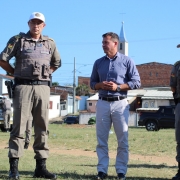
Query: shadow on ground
28, 175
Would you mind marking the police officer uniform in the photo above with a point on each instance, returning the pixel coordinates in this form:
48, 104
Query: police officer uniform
6, 113
32, 74
175, 86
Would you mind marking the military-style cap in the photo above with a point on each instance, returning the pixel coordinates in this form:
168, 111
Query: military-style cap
178, 46
37, 15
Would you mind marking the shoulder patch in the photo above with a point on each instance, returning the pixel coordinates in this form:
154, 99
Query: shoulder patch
177, 63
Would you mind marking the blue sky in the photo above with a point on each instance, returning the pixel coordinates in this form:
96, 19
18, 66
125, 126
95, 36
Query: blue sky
152, 28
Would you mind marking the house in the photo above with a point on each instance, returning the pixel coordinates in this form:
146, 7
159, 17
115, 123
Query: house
66, 103
155, 97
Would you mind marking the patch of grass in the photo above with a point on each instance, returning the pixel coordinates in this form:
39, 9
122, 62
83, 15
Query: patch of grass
62, 136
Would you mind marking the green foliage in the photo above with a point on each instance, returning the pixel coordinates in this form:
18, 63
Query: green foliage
92, 120
55, 84
82, 90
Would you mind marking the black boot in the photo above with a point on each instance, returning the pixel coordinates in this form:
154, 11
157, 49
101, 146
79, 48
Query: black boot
177, 176
41, 171
13, 173
26, 145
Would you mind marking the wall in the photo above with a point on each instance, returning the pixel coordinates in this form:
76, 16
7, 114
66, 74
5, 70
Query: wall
55, 102
154, 74
82, 103
162, 102
91, 108
84, 117
146, 103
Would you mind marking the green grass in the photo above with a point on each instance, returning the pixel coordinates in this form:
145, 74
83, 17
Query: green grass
62, 136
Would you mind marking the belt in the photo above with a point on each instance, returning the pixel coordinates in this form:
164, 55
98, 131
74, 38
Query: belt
115, 98
30, 82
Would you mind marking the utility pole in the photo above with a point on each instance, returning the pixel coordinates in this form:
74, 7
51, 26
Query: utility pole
74, 88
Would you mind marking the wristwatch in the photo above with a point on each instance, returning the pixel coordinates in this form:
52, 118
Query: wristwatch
118, 88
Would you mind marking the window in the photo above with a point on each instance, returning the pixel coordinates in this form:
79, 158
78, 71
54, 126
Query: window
90, 104
50, 104
120, 46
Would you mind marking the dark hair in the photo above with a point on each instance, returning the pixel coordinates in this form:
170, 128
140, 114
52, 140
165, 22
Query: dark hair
113, 35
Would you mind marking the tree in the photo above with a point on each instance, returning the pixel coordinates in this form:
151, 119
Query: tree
82, 90
55, 84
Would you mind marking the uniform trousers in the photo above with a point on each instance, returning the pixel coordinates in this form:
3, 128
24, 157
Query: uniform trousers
108, 113
34, 100
177, 131
28, 131
7, 117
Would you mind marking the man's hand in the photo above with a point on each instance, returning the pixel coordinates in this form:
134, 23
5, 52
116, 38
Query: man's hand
109, 86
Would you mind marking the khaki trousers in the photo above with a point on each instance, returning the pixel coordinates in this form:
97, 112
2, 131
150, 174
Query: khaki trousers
108, 113
30, 100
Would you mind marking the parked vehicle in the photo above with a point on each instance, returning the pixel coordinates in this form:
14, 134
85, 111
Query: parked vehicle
164, 117
71, 120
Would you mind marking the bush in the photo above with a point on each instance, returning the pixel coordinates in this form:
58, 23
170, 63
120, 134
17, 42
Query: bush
92, 120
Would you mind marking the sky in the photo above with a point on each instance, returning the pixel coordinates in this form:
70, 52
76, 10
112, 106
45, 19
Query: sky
152, 29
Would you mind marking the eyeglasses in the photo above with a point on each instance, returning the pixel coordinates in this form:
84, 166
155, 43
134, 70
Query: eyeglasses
36, 22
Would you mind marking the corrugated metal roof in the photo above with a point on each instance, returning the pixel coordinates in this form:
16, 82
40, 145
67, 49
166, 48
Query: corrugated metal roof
154, 94
147, 109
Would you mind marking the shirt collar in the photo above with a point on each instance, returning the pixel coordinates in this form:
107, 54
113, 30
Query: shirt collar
42, 38
113, 57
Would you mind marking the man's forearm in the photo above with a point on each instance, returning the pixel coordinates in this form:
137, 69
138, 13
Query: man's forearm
97, 86
6, 66
125, 87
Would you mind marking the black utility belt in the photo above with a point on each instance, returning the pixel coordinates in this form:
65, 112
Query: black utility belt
115, 98
30, 82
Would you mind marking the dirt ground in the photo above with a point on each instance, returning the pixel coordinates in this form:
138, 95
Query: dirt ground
78, 152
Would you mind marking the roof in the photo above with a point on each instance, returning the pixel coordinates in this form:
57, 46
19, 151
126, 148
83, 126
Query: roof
155, 94
95, 97
122, 36
154, 63
136, 92
147, 109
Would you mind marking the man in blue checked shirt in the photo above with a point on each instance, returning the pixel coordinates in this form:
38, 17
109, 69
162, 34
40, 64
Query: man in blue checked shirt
113, 75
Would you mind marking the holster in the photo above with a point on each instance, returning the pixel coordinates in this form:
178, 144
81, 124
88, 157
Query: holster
10, 88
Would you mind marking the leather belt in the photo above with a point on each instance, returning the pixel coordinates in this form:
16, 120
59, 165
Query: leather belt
115, 98
30, 82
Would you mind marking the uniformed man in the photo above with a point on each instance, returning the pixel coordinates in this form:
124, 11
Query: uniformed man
175, 87
36, 58
6, 106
